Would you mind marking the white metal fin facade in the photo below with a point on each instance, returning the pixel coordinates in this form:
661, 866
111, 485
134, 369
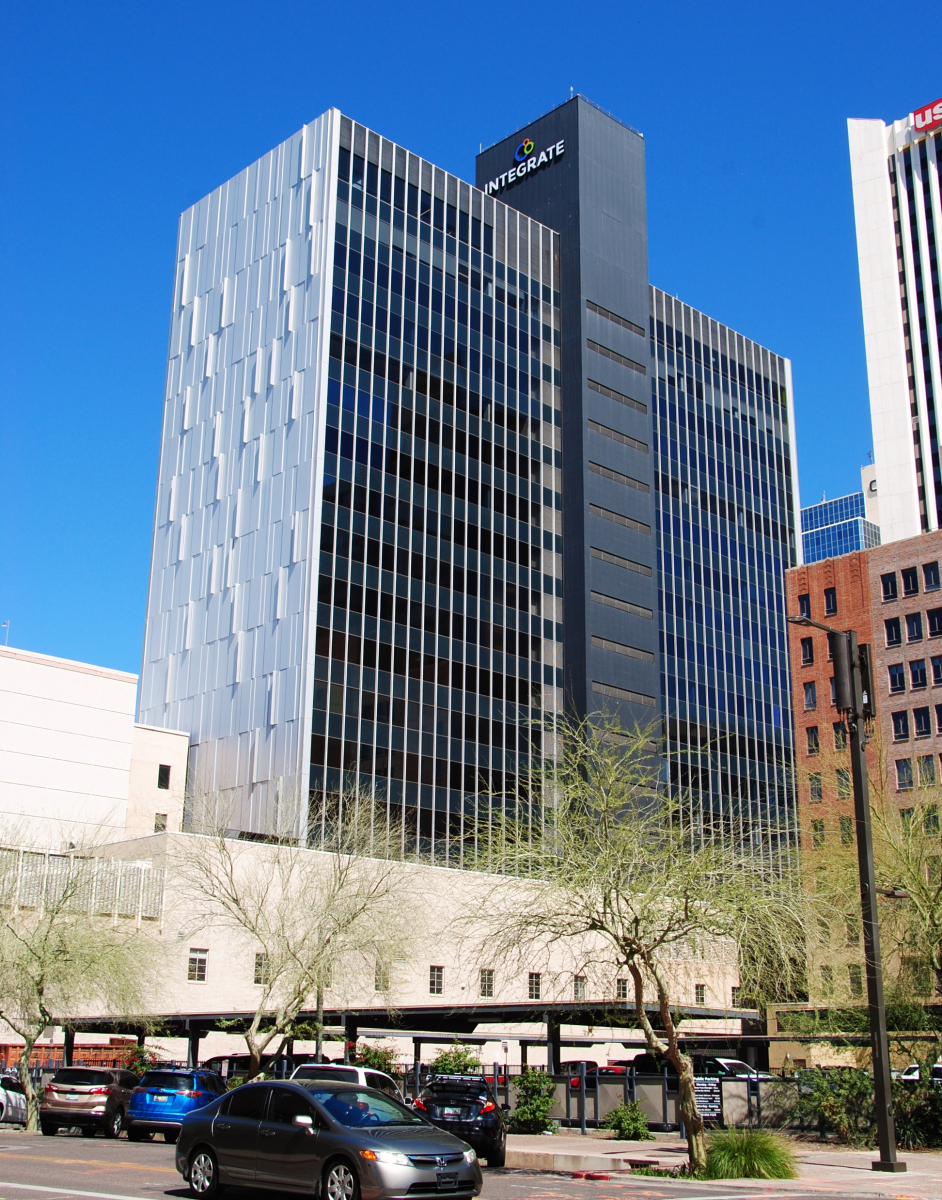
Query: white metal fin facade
226, 653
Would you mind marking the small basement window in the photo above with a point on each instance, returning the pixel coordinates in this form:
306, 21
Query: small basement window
160, 822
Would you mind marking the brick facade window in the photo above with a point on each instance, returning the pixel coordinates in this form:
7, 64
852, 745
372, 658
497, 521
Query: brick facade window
814, 745
927, 770
817, 834
901, 727
815, 788
807, 652
904, 774
914, 627
897, 677
843, 784
921, 723
840, 735
830, 602
934, 620
811, 695
910, 582
847, 831
930, 577
804, 605
889, 586
917, 674
893, 635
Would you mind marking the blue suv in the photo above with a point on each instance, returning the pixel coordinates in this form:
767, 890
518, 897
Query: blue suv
163, 1098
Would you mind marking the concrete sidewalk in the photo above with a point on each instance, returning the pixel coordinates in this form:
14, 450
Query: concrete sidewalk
822, 1168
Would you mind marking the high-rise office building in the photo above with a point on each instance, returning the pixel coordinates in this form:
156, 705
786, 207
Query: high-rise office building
582, 172
357, 562
727, 489
680, 483
895, 172
834, 527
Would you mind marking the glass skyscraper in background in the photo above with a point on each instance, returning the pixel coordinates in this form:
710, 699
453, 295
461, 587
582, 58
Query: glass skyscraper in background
835, 527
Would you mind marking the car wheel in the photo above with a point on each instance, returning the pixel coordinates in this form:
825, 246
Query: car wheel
203, 1175
171, 1135
114, 1125
140, 1135
47, 1129
340, 1182
497, 1157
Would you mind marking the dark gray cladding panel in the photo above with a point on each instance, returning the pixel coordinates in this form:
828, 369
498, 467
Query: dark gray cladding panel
590, 186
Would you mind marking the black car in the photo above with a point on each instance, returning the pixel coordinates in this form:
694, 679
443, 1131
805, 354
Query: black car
332, 1139
466, 1106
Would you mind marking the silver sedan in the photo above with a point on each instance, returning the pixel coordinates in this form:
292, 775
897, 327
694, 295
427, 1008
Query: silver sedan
344, 1141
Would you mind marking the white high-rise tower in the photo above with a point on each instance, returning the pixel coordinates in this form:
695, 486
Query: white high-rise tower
895, 170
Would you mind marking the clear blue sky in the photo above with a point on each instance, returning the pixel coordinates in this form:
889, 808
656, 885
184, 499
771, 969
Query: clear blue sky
120, 115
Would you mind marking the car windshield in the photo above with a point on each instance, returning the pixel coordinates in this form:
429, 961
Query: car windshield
82, 1078
355, 1109
736, 1067
170, 1080
323, 1071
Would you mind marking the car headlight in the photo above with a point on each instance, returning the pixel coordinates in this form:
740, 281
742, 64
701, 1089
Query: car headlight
394, 1157
470, 1156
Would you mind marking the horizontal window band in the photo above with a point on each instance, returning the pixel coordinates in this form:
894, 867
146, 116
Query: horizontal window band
623, 439
619, 396
619, 518
617, 693
636, 610
617, 477
601, 643
616, 357
616, 560
614, 317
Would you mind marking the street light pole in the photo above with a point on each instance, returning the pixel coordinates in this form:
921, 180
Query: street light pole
854, 699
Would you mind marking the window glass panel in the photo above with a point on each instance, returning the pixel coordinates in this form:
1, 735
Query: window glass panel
889, 586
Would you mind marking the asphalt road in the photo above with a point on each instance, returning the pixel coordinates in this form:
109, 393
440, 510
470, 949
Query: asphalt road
33, 1167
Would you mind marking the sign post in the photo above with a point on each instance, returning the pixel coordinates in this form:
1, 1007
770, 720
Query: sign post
854, 700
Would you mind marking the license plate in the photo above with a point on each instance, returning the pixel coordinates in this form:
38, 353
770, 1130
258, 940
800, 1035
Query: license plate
160, 1099
447, 1182
71, 1096
451, 1112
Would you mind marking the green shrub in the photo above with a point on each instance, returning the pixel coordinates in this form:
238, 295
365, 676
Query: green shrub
629, 1123
456, 1060
917, 1111
749, 1154
377, 1058
839, 1099
535, 1092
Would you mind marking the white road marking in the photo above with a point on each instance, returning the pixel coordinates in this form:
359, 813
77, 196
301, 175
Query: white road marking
66, 1191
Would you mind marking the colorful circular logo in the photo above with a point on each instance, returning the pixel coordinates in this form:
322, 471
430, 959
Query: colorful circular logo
524, 150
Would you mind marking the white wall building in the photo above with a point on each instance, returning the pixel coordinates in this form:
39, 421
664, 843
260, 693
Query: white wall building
895, 172
74, 766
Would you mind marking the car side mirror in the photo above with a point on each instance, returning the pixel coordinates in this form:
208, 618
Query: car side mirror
505, 1108
304, 1122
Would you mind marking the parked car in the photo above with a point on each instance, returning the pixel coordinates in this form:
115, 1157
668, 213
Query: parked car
466, 1106
92, 1098
594, 1073
337, 1139
364, 1076
163, 1098
912, 1073
703, 1065
12, 1100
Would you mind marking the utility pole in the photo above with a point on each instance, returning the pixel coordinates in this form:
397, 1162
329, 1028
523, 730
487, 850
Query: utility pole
854, 700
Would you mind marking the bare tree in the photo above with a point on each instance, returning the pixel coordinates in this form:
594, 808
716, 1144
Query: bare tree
603, 866
71, 943
314, 919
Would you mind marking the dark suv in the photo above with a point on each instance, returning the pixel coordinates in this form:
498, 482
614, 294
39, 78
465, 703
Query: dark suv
92, 1098
466, 1107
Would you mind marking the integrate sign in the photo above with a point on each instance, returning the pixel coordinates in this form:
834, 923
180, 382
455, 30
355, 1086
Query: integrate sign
928, 117
526, 161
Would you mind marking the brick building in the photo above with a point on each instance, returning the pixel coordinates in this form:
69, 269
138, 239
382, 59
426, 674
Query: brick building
890, 596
